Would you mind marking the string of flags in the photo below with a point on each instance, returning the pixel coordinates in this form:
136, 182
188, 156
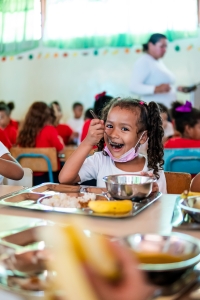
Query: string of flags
95, 52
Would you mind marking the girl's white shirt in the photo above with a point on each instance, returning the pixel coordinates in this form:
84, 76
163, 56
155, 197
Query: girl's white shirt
3, 150
98, 165
149, 73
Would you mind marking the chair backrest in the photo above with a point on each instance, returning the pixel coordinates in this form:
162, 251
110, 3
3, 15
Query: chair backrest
34, 162
26, 181
177, 183
182, 160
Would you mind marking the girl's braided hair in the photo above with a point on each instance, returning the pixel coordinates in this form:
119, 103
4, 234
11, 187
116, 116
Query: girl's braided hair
148, 120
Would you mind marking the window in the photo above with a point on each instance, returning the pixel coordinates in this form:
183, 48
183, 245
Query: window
20, 25
98, 23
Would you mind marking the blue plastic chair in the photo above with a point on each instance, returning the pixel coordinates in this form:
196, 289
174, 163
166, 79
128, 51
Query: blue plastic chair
36, 155
182, 160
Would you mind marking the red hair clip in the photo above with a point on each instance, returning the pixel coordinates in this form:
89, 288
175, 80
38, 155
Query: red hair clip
141, 102
98, 96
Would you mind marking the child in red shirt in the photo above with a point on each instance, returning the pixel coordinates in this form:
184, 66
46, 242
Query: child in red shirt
63, 130
187, 122
6, 124
38, 131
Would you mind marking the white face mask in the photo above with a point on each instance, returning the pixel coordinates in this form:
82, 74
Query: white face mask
129, 155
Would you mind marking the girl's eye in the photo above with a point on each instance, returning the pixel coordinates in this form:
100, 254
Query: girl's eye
124, 129
109, 126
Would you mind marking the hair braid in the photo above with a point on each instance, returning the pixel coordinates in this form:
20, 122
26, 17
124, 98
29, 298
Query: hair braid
155, 134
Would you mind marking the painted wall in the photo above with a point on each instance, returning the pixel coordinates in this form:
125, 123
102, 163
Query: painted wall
78, 77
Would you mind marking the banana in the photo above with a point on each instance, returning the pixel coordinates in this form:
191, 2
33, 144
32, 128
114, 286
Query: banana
93, 251
111, 207
187, 194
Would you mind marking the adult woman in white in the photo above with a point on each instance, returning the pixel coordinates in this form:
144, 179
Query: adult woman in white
151, 80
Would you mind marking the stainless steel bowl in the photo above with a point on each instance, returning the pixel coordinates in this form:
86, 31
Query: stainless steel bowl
184, 248
191, 206
133, 187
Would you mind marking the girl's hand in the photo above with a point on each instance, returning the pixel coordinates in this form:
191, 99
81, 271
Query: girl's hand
155, 187
133, 284
95, 132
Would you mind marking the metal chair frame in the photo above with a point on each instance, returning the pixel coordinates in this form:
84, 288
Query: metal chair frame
36, 155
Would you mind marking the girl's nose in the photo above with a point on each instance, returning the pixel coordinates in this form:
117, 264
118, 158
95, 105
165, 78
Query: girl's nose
113, 133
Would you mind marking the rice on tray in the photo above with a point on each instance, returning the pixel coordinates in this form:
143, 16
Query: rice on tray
67, 201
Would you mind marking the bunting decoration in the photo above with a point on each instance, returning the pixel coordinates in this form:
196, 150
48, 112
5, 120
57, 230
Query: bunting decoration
89, 52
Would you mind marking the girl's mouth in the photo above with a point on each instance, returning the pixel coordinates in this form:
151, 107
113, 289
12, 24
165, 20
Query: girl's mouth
115, 145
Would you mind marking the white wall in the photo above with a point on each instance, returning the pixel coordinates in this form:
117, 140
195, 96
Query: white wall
80, 77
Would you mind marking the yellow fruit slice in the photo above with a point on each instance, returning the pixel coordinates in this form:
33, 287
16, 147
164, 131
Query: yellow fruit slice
94, 251
70, 277
111, 207
189, 194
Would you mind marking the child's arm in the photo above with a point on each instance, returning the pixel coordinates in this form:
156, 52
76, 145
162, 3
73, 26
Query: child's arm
69, 173
10, 168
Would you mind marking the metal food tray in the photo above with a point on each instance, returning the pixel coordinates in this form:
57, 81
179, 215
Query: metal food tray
28, 199
22, 264
182, 220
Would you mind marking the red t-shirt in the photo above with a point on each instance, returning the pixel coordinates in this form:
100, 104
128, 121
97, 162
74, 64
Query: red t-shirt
11, 133
14, 123
4, 139
65, 132
48, 137
179, 142
85, 128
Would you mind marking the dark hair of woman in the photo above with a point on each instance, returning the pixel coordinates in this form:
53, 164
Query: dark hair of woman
7, 107
154, 38
183, 119
148, 120
38, 115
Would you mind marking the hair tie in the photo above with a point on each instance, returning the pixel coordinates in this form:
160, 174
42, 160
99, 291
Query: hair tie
98, 96
187, 107
141, 102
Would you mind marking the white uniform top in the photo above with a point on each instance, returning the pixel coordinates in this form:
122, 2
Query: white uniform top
149, 73
3, 150
98, 165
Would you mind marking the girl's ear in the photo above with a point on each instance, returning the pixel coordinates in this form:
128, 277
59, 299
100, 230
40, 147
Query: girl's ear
144, 138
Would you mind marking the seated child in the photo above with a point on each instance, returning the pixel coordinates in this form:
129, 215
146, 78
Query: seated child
125, 125
6, 124
63, 130
38, 131
9, 167
167, 126
76, 123
187, 122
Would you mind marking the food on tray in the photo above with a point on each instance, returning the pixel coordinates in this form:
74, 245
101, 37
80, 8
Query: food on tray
69, 201
73, 249
30, 284
111, 207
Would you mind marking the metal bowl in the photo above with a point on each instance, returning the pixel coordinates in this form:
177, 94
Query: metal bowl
183, 250
191, 206
133, 187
